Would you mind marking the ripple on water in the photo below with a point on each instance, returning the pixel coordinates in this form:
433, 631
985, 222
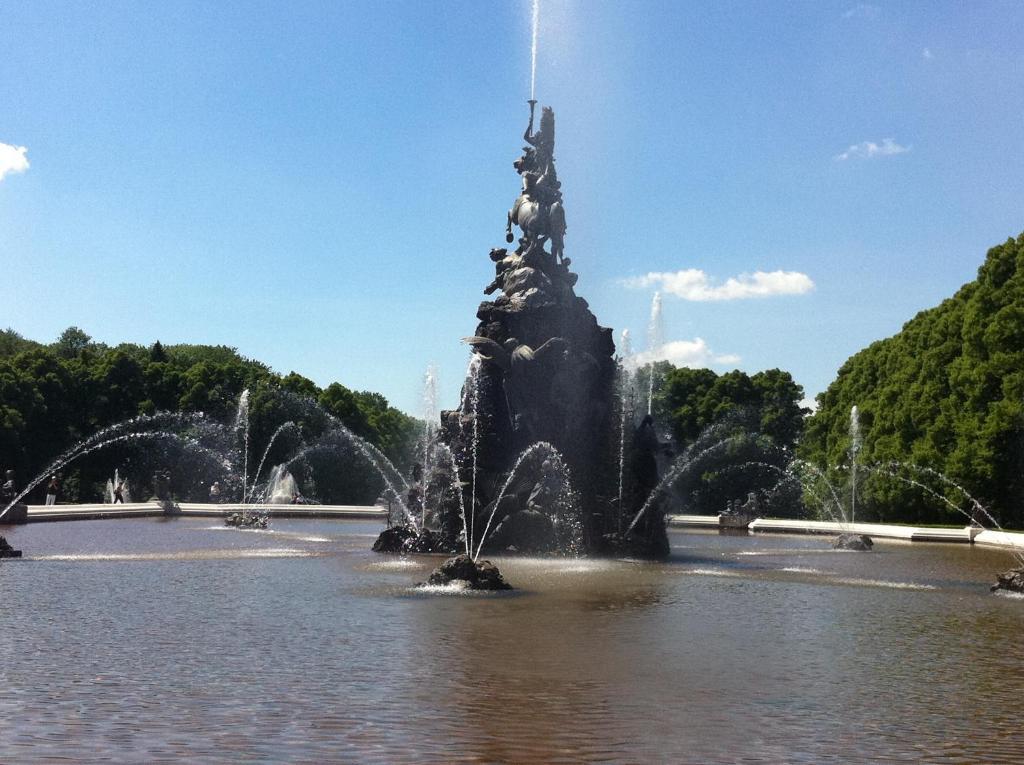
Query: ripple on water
710, 572
559, 565
270, 552
789, 551
858, 582
400, 564
268, 532
1009, 595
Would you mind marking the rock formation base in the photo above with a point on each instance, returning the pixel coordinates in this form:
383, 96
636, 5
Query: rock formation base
859, 542
6, 551
1011, 581
478, 575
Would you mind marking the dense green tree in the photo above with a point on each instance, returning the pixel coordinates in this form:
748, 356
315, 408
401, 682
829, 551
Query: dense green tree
157, 354
299, 385
945, 394
52, 397
11, 343
344, 404
71, 342
744, 426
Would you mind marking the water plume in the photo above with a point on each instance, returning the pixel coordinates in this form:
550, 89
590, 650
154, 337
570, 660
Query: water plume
655, 340
535, 25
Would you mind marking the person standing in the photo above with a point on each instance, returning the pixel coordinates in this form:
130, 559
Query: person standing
119, 493
51, 490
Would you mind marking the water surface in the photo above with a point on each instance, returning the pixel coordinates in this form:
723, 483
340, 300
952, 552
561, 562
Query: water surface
154, 640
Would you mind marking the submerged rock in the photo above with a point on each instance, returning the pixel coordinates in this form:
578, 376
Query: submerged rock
478, 575
1011, 581
860, 542
6, 551
405, 539
393, 539
243, 521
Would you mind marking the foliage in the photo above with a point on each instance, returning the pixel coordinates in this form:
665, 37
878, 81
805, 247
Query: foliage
946, 393
53, 396
744, 426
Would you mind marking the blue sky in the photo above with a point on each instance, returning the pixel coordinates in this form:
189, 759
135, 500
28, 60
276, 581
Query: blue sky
319, 184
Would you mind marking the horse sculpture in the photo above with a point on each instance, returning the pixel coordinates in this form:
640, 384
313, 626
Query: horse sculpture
537, 220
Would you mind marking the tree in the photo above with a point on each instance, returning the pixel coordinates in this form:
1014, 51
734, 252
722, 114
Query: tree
157, 354
741, 429
344, 404
945, 395
72, 341
12, 343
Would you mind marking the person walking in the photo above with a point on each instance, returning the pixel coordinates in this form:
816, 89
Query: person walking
51, 490
119, 493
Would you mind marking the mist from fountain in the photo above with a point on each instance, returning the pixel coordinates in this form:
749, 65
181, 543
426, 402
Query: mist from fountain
790, 474
679, 467
110, 494
839, 515
281, 486
456, 488
655, 341
385, 469
891, 470
475, 365
626, 403
532, 452
535, 26
104, 437
431, 414
289, 425
92, 445
856, 442
242, 426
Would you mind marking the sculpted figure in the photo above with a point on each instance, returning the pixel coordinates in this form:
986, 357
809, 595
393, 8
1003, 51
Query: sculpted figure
543, 141
527, 211
502, 263
513, 355
9, 490
521, 381
535, 218
538, 210
546, 491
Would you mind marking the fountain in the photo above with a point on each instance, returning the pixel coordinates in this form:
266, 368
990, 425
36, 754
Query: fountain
281, 486
537, 414
849, 540
111, 494
655, 342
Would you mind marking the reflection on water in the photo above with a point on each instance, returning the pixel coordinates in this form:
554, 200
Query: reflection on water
175, 640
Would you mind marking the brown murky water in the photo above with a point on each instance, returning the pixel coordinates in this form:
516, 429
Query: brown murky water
176, 640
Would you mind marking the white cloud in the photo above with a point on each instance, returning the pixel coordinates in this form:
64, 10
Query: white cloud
862, 11
12, 159
693, 284
684, 353
869, 149
927, 53
809, 403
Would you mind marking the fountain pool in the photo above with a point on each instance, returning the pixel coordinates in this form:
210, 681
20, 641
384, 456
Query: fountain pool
179, 640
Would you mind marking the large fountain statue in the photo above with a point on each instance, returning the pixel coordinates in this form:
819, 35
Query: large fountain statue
544, 376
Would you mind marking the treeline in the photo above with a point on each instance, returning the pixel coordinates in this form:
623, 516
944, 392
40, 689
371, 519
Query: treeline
54, 395
738, 430
945, 394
